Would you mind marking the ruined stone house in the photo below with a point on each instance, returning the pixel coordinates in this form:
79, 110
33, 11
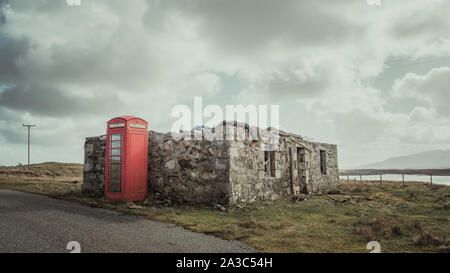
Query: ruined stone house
225, 171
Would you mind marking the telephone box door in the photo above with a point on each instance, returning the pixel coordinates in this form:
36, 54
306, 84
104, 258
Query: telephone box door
115, 163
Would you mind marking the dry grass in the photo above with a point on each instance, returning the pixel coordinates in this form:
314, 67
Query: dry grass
49, 171
50, 178
430, 238
411, 219
383, 228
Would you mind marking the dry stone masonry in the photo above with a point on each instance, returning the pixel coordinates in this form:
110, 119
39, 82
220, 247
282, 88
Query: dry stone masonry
94, 165
185, 170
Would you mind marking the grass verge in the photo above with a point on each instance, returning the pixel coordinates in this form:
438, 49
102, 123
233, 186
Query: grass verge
403, 219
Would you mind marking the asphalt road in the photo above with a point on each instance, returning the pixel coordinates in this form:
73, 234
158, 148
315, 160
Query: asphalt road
33, 223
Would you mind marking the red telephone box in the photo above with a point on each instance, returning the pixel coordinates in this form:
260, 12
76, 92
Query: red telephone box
126, 161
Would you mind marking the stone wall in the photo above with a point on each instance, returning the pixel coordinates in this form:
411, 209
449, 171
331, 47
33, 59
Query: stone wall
321, 183
193, 171
94, 165
251, 181
223, 171
248, 178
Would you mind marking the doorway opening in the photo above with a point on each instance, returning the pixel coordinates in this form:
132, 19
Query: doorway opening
302, 169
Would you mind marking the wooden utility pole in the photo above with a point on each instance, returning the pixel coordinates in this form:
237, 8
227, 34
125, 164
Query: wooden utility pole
29, 126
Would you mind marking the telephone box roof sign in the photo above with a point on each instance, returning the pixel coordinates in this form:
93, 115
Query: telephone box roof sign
127, 118
127, 121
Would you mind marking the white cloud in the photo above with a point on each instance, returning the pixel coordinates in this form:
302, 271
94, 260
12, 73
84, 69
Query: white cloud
432, 87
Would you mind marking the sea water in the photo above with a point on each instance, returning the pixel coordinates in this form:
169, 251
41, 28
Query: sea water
442, 180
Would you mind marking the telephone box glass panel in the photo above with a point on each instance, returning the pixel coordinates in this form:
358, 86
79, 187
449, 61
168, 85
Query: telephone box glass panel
115, 137
115, 165
115, 144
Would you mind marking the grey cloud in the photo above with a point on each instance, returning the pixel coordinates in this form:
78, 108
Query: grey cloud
48, 101
429, 20
12, 50
361, 128
14, 136
9, 116
251, 25
310, 88
41, 6
424, 136
86, 53
2, 14
432, 87
282, 89
303, 81
15, 133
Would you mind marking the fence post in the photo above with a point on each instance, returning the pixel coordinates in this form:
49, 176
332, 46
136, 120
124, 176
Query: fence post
403, 179
381, 179
360, 178
431, 179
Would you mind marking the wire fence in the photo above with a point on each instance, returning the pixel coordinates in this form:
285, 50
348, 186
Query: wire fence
359, 179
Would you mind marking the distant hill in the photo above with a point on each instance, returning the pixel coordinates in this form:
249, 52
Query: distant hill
438, 159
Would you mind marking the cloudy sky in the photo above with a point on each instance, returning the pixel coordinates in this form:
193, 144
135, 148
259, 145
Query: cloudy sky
372, 79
